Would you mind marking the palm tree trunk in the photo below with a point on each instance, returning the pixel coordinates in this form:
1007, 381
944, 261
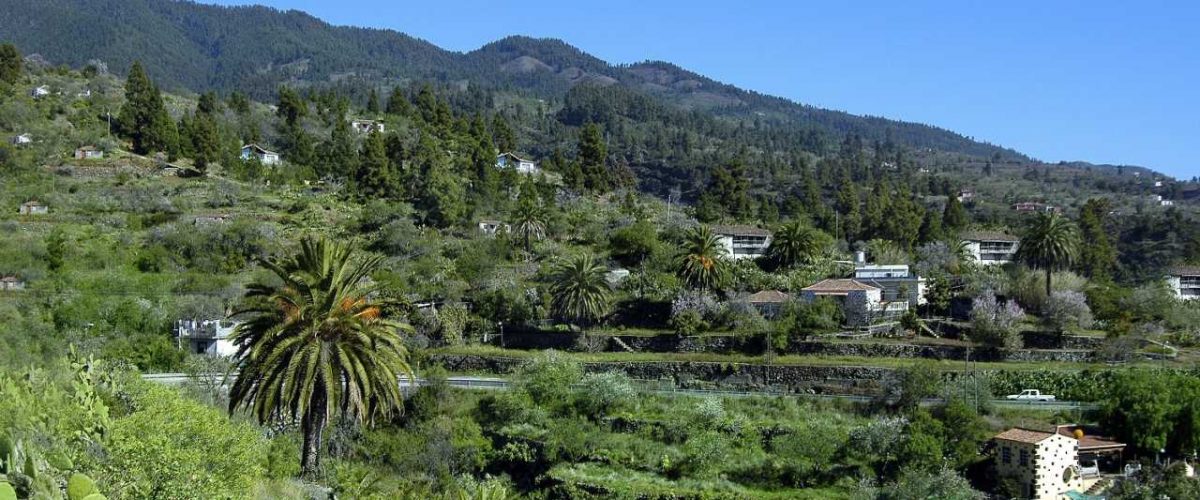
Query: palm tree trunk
312, 425
1048, 273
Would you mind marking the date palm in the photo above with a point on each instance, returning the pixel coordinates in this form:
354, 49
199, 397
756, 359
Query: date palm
797, 243
702, 263
580, 291
1050, 242
529, 223
316, 344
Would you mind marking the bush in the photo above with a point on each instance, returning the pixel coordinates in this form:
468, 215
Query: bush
1066, 310
548, 378
172, 447
600, 394
995, 324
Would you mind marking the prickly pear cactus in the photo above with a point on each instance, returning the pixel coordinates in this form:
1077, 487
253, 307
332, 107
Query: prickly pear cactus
79, 487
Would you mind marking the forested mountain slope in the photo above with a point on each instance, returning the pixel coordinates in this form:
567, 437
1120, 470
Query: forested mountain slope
253, 49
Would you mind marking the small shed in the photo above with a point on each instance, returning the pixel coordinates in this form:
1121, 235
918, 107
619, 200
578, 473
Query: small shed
263, 155
769, 302
11, 284
363, 126
22, 139
33, 207
88, 153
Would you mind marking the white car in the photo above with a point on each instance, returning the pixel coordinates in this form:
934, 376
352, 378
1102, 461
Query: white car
1030, 395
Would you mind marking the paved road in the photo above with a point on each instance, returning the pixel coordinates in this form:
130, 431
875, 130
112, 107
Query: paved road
494, 383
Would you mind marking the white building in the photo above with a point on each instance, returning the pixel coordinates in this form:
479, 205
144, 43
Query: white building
521, 165
743, 242
862, 304
88, 153
366, 126
1044, 464
1184, 281
22, 139
991, 247
896, 280
264, 156
33, 207
40, 92
11, 284
211, 337
491, 227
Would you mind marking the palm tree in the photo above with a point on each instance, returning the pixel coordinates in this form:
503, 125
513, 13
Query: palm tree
580, 291
530, 223
316, 343
797, 243
702, 263
1051, 242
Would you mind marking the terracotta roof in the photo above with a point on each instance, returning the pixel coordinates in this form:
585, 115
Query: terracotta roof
1024, 435
740, 230
769, 297
1089, 442
1184, 270
838, 286
32, 203
10, 279
86, 148
988, 236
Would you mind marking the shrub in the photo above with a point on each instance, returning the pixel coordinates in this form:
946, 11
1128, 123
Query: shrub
601, 394
1066, 309
172, 447
995, 324
548, 377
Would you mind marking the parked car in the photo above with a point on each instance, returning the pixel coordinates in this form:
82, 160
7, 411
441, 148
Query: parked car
1089, 468
1030, 395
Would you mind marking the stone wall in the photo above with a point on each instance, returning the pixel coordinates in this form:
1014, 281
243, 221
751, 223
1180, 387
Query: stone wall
753, 345
814, 379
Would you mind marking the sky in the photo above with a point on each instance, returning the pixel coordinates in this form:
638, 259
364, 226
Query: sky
1101, 81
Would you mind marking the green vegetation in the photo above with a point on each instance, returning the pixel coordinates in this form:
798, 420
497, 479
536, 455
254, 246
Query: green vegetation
363, 253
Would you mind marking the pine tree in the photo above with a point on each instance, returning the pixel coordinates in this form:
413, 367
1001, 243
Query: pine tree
954, 216
239, 103
1097, 257
398, 103
338, 155
373, 103
502, 135
375, 177
10, 64
143, 117
731, 187
593, 156
205, 140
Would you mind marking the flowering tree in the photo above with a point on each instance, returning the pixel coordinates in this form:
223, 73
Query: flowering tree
994, 323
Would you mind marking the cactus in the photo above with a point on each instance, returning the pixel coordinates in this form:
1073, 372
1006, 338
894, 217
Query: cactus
79, 487
95, 496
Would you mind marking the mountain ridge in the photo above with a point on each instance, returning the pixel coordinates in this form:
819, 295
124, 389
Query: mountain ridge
255, 48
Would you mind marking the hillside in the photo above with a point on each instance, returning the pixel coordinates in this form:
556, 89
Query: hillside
204, 47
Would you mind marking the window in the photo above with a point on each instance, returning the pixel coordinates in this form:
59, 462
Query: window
1006, 455
1024, 458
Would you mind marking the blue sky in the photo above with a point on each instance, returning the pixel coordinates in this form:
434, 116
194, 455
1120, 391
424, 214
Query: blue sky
1101, 81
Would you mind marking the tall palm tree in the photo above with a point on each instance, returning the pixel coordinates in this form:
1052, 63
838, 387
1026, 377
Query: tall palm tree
580, 291
316, 344
797, 243
530, 223
1050, 242
702, 263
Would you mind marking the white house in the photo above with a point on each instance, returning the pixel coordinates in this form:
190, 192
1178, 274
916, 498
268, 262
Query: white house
896, 280
1157, 199
33, 207
1184, 281
88, 153
521, 165
991, 247
743, 242
40, 92
862, 304
212, 337
366, 126
769, 303
22, 139
1044, 464
11, 284
490, 227
264, 156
